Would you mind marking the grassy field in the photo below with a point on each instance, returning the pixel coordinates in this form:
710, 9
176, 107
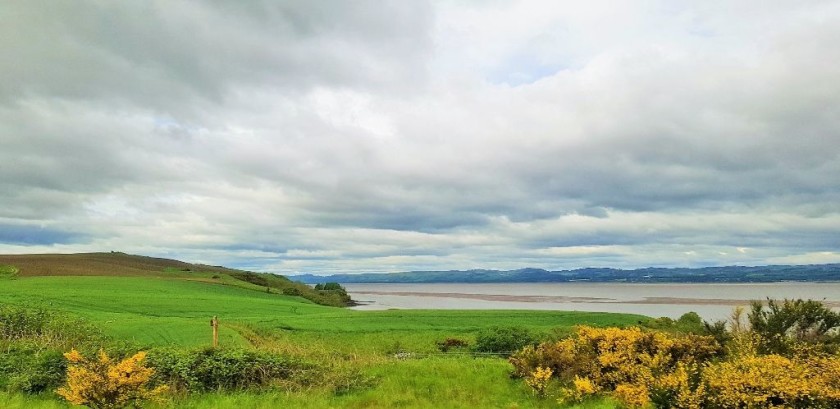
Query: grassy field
155, 311
170, 308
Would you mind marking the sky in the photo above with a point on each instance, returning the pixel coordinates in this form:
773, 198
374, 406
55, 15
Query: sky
381, 136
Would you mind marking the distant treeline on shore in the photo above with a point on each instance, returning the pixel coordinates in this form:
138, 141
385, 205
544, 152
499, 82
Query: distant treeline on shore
727, 274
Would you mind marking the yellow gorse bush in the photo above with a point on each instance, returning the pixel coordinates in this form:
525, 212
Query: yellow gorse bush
104, 384
581, 389
640, 369
626, 362
679, 389
632, 395
773, 381
538, 381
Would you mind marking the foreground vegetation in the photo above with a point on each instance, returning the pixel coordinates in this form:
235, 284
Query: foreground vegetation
784, 355
127, 339
275, 349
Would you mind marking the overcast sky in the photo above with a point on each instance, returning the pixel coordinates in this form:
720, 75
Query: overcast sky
372, 136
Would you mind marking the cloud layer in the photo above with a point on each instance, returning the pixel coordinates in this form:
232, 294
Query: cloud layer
388, 136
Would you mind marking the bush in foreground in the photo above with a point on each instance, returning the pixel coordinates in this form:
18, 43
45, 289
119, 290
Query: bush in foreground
32, 341
225, 369
503, 340
797, 367
624, 361
102, 383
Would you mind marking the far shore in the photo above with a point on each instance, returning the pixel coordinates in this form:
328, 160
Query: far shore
567, 299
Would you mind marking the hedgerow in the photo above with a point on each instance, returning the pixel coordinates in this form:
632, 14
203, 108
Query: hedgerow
32, 341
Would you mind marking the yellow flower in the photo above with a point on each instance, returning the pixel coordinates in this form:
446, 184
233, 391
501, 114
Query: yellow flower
538, 381
73, 356
634, 396
105, 384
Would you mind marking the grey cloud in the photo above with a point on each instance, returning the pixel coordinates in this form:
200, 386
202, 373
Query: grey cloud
169, 56
324, 136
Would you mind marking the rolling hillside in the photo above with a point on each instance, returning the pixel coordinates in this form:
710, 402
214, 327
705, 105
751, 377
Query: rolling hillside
100, 264
115, 264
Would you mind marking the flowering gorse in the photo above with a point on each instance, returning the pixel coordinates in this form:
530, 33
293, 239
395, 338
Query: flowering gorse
102, 383
770, 381
643, 368
538, 381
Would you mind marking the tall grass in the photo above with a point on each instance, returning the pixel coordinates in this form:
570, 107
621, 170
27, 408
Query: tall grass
423, 383
9, 400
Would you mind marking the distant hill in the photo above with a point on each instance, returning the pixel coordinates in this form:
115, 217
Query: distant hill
728, 274
127, 265
99, 264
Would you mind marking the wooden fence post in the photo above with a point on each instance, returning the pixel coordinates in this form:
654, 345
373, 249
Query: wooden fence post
215, 324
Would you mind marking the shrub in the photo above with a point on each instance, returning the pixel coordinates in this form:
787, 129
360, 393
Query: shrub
625, 362
330, 287
717, 330
783, 325
582, 388
503, 340
611, 356
32, 341
45, 327
632, 395
773, 381
103, 384
451, 343
223, 369
667, 370
27, 368
538, 381
680, 389
688, 323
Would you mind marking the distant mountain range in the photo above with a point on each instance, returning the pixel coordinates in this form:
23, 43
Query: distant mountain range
728, 274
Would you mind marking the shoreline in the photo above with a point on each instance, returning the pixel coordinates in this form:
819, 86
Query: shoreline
573, 300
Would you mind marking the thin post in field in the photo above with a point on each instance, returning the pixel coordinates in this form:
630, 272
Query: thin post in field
215, 324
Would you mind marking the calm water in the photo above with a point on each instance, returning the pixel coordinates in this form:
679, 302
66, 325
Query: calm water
711, 301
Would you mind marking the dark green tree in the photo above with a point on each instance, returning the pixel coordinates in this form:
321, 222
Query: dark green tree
783, 325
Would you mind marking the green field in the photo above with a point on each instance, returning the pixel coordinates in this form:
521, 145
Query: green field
159, 311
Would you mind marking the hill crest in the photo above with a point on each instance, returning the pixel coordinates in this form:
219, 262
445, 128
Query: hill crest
117, 264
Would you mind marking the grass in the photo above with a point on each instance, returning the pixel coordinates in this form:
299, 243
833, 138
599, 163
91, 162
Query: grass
173, 308
155, 311
7, 271
115, 264
20, 401
425, 383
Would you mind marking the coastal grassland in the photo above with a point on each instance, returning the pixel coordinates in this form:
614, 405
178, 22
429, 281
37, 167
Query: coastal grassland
426, 383
159, 311
116, 264
155, 311
440, 382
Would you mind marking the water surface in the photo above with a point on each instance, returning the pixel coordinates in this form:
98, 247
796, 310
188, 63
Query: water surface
711, 301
